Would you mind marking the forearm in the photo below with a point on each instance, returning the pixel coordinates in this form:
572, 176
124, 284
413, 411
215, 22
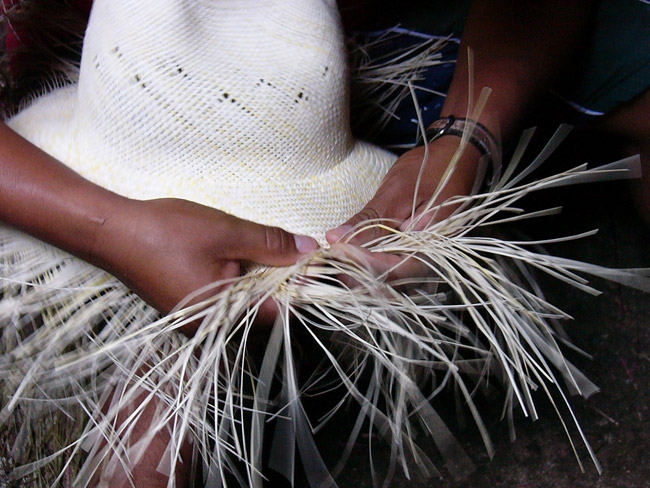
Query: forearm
519, 48
42, 197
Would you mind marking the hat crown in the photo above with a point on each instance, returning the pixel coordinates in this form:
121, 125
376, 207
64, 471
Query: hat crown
240, 105
251, 89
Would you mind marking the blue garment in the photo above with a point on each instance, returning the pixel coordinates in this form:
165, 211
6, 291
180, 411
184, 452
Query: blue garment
614, 64
400, 131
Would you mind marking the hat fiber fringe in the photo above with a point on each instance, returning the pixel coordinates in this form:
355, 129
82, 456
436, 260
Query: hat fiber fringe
78, 344
391, 347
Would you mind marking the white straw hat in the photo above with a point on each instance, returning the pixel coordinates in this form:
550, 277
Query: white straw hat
242, 105
239, 105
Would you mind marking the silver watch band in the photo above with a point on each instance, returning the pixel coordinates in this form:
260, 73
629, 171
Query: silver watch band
479, 137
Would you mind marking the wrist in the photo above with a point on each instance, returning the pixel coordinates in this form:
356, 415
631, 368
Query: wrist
473, 132
109, 231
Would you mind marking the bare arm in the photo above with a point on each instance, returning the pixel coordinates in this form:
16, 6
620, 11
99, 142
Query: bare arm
519, 48
42, 197
163, 249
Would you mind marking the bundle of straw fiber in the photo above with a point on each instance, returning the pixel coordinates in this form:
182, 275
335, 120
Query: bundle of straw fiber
77, 341
382, 343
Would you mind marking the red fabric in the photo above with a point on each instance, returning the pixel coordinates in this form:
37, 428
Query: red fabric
11, 41
13, 36
83, 5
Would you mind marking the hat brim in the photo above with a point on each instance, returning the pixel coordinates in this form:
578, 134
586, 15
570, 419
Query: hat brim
308, 206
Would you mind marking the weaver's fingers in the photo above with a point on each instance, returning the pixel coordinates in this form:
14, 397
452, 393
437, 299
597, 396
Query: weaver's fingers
373, 221
427, 214
385, 267
268, 245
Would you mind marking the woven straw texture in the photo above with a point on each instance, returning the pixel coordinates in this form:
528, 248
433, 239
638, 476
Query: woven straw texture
242, 106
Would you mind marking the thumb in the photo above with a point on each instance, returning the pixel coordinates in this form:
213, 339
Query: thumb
373, 213
271, 245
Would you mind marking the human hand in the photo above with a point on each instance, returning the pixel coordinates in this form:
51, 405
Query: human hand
166, 249
394, 201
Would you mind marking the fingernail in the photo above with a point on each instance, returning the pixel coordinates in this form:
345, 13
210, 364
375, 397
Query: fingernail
305, 244
343, 230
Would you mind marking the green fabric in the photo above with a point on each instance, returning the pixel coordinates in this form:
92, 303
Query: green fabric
615, 62
441, 18
613, 66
